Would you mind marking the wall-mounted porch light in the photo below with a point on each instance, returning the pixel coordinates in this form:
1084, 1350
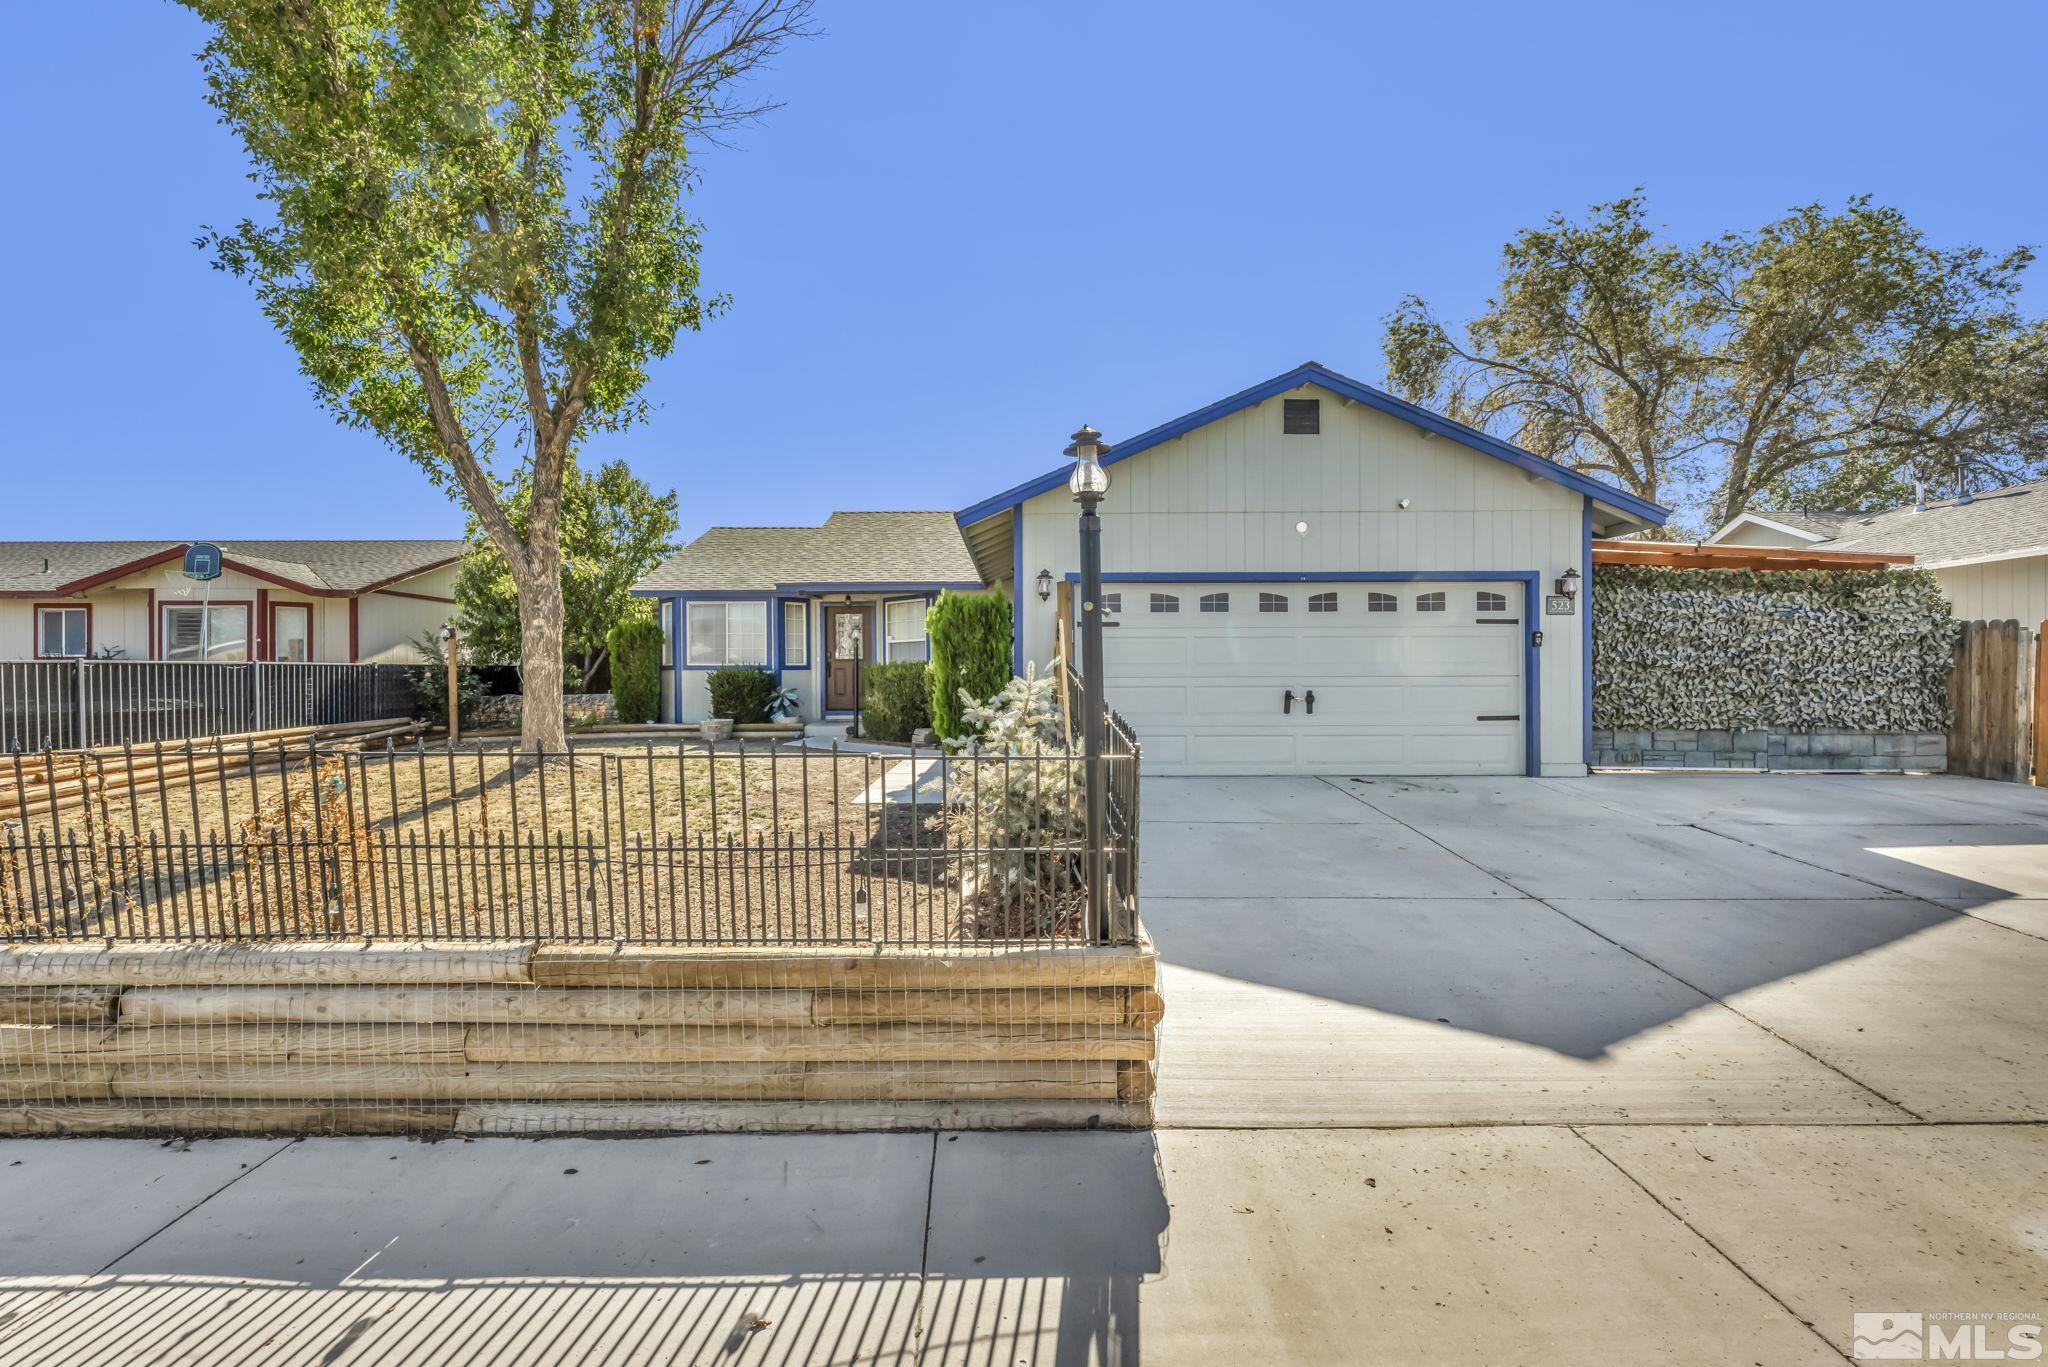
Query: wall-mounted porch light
1044, 585
1568, 584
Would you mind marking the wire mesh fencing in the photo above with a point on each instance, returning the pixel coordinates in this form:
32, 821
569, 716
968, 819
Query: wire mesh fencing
739, 844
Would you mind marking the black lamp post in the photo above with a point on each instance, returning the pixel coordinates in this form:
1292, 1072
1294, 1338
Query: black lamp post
1089, 483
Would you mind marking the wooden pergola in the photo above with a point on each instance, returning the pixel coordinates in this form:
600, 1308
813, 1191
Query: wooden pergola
1689, 555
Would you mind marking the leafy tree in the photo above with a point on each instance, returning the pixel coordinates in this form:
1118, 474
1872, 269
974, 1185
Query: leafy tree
1832, 352
475, 237
613, 529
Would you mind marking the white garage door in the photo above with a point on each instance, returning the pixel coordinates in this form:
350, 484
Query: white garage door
1408, 677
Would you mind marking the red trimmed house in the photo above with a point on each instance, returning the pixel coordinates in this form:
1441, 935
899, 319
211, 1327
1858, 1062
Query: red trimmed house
334, 601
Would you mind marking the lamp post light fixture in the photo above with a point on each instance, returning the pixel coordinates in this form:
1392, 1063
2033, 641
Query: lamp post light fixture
1044, 585
1090, 482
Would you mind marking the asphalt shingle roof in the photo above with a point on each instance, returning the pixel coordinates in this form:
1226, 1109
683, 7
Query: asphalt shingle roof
1998, 523
850, 548
340, 566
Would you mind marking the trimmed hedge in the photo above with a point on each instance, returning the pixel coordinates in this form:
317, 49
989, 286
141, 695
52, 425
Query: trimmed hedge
741, 693
895, 700
1786, 650
634, 647
970, 636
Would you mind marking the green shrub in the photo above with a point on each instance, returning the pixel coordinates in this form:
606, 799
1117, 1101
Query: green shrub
635, 647
429, 683
741, 693
970, 636
896, 699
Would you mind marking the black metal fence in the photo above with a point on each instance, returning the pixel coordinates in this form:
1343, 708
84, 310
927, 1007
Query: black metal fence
76, 704
733, 844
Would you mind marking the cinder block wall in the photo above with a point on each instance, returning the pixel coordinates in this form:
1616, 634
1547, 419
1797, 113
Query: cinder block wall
1719, 749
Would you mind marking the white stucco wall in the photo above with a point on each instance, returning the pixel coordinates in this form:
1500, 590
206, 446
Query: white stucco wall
1225, 498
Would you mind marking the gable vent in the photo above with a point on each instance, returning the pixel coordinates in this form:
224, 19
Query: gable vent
1303, 417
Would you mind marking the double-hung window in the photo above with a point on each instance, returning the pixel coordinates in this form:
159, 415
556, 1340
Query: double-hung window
205, 631
726, 634
796, 634
903, 623
63, 633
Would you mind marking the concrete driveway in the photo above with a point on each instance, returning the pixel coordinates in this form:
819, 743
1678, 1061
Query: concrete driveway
1628, 1070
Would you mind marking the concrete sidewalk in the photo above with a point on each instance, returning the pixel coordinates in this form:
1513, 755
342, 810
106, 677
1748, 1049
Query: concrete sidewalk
1532, 1244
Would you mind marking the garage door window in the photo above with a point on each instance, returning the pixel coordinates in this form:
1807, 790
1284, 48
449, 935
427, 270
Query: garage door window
1322, 602
1215, 602
1429, 602
1493, 602
1272, 602
1165, 602
1382, 602
1112, 604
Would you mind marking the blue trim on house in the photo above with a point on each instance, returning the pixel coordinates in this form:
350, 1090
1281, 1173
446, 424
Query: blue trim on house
909, 586
773, 615
1585, 606
1346, 387
889, 656
1531, 581
782, 660
1017, 591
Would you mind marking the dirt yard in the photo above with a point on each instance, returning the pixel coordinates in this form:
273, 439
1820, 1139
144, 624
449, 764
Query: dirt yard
741, 842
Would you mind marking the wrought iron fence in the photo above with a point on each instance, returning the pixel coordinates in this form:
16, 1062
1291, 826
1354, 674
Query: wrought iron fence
733, 844
76, 704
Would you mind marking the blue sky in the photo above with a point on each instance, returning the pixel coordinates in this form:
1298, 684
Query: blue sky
975, 226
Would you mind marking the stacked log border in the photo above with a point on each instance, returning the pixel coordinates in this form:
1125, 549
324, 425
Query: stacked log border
387, 1037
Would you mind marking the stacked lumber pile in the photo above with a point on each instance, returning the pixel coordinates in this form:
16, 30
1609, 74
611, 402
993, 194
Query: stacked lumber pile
521, 1038
33, 785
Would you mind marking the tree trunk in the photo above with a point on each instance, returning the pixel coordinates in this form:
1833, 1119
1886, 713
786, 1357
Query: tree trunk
540, 658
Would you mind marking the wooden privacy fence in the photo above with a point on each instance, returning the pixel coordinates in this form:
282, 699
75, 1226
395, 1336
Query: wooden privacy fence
1996, 729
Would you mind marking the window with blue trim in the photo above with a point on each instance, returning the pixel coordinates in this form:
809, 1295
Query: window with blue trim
668, 633
903, 624
796, 634
726, 634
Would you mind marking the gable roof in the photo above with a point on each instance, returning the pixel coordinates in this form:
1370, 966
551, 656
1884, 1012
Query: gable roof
2003, 523
1806, 524
1311, 372
30, 569
875, 550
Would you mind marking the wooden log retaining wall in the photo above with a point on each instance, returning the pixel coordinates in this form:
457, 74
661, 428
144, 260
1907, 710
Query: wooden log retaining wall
524, 1038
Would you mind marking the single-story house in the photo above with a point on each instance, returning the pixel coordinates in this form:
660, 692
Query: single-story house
1989, 552
805, 603
330, 601
1308, 576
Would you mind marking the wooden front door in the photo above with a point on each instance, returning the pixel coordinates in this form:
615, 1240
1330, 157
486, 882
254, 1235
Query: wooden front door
849, 637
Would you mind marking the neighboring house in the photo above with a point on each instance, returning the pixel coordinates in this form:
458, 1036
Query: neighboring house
274, 600
803, 602
1309, 535
1989, 551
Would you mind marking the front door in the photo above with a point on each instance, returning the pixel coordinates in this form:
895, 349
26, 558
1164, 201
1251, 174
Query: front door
848, 631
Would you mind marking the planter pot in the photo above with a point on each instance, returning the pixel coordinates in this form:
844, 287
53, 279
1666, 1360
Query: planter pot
716, 729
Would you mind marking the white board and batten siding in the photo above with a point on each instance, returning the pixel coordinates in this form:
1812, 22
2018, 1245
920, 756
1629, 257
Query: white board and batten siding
1225, 500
